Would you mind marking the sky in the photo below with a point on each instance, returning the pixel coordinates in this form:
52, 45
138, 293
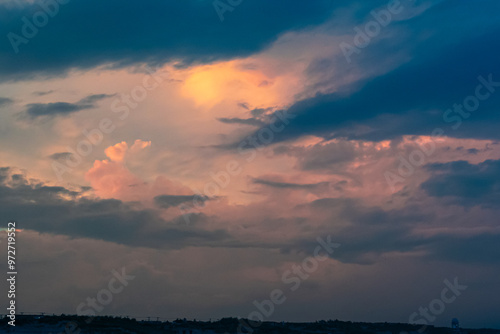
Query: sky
208, 148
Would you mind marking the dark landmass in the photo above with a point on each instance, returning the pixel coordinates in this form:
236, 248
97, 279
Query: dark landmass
72, 324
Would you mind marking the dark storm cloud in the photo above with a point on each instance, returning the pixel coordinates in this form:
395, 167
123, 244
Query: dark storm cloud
411, 99
465, 183
90, 33
57, 210
51, 110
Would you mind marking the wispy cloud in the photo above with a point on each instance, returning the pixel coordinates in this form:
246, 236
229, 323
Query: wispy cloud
5, 100
54, 109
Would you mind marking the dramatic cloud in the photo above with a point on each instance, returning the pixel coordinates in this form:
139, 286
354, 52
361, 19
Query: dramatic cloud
366, 232
413, 98
57, 210
466, 183
83, 35
242, 136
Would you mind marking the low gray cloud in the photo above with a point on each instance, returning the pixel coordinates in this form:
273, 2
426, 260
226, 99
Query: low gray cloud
286, 185
367, 234
60, 211
5, 101
168, 201
54, 109
42, 93
242, 121
322, 156
465, 183
61, 156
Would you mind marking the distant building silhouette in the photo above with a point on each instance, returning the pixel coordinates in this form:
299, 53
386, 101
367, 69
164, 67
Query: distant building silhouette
455, 325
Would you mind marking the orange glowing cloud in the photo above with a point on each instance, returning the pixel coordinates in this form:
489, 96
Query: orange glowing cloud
209, 85
140, 145
117, 152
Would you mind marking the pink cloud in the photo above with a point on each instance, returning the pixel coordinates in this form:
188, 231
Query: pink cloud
112, 179
140, 145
